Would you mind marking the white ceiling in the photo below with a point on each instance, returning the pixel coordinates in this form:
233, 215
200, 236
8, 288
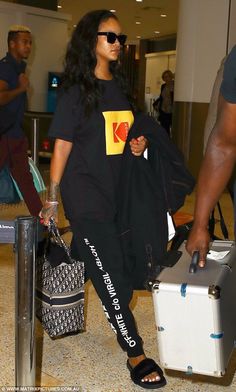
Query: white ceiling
148, 12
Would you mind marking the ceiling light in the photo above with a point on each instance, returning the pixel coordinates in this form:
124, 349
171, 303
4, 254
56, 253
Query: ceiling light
139, 1
163, 15
157, 32
138, 36
112, 10
59, 6
138, 22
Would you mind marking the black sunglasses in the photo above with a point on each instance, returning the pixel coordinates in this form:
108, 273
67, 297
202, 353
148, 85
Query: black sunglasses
112, 37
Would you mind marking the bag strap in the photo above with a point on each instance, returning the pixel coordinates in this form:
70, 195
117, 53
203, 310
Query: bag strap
223, 226
54, 232
222, 223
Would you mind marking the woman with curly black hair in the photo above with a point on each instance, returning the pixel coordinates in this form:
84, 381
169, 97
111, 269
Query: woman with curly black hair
90, 127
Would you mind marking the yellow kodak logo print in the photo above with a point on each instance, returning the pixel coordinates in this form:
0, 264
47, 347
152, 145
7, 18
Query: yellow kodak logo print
117, 125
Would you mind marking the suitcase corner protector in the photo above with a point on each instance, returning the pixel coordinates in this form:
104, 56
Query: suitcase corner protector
214, 292
156, 285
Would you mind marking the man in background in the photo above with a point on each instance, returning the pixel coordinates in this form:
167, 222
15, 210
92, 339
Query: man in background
219, 161
13, 98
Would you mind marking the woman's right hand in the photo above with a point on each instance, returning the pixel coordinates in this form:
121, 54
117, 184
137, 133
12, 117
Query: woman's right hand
49, 210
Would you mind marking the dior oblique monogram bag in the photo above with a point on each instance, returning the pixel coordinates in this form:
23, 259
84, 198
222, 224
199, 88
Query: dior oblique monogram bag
59, 288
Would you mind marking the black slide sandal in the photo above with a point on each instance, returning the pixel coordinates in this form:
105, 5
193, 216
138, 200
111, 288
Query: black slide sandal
144, 368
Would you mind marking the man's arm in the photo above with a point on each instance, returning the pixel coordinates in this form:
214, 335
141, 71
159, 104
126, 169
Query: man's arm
7, 95
214, 174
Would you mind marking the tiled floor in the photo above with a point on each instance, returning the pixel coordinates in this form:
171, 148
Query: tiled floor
92, 361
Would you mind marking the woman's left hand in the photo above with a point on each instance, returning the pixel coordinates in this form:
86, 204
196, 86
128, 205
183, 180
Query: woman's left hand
138, 146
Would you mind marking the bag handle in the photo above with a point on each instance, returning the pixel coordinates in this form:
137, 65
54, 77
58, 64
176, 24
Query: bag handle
54, 232
194, 262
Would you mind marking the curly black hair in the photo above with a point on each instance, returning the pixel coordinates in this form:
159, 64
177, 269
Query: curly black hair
80, 60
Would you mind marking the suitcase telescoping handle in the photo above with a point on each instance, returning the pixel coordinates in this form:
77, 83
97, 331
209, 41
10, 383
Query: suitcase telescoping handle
194, 262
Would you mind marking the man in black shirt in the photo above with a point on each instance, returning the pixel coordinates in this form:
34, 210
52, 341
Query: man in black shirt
13, 86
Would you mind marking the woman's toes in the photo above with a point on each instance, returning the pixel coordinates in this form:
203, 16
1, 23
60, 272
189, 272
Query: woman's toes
151, 378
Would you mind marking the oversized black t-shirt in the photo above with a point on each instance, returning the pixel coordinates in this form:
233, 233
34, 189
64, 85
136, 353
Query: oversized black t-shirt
89, 185
228, 86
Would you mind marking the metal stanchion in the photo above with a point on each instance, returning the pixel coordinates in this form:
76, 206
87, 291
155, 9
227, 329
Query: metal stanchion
35, 140
25, 247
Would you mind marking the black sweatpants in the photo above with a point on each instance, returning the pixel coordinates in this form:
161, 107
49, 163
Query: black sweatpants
98, 245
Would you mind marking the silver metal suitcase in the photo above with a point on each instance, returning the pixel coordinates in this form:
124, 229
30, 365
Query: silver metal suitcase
195, 313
